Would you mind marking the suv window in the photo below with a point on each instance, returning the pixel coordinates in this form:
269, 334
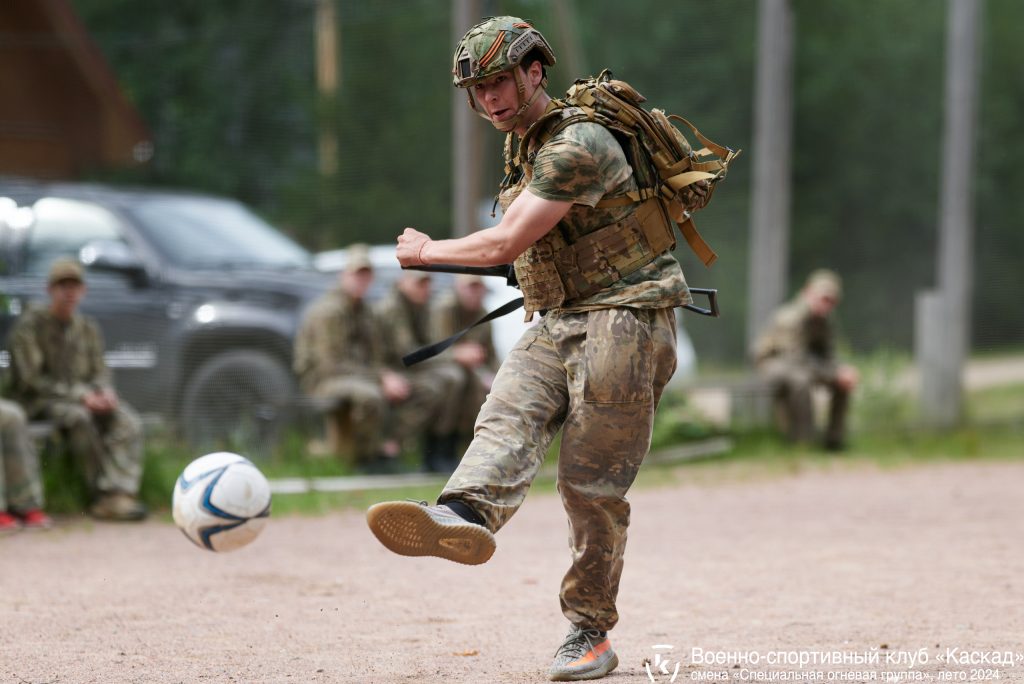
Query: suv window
61, 227
200, 232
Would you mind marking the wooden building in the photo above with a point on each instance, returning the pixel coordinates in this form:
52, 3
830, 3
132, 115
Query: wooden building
61, 109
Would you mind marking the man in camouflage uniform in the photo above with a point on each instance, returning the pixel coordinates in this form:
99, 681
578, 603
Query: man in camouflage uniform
338, 359
594, 367
59, 374
474, 353
796, 352
427, 408
21, 489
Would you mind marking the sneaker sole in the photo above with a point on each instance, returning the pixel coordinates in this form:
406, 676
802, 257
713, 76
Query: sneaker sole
407, 529
596, 673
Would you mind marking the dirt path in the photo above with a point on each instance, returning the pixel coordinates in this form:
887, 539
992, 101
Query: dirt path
847, 559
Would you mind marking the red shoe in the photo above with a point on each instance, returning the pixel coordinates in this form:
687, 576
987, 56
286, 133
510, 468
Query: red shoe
8, 523
36, 519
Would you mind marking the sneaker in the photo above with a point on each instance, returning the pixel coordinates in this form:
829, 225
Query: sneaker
584, 654
118, 507
8, 523
415, 529
36, 519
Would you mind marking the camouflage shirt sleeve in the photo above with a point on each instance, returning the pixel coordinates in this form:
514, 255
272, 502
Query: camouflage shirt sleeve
795, 335
394, 320
334, 340
35, 382
30, 382
580, 164
97, 374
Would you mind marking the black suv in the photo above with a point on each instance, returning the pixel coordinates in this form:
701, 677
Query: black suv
197, 297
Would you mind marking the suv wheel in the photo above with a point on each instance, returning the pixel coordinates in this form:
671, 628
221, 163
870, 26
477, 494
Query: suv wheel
237, 401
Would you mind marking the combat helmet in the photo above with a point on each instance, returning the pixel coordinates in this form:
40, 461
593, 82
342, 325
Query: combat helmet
494, 45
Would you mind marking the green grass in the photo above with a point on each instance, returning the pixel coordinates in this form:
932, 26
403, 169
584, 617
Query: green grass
884, 435
997, 405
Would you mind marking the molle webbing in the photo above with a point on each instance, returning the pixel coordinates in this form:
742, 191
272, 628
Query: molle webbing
663, 162
553, 271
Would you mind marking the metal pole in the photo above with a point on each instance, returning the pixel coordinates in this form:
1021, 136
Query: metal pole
467, 147
769, 218
568, 36
326, 29
942, 381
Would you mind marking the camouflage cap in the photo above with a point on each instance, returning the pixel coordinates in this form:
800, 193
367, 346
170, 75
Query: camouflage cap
496, 44
826, 282
65, 268
358, 258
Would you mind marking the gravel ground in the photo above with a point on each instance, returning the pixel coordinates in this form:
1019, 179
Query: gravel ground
845, 558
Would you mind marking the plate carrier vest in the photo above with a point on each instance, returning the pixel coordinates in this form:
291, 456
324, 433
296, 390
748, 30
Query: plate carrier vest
561, 268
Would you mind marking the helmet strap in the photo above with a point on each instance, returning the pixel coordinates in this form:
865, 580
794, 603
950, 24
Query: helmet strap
513, 122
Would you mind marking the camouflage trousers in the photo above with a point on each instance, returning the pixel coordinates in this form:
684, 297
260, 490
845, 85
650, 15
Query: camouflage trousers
21, 488
470, 395
357, 407
367, 418
108, 446
597, 376
792, 383
440, 384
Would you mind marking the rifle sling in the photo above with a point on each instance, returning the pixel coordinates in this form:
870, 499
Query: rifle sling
432, 350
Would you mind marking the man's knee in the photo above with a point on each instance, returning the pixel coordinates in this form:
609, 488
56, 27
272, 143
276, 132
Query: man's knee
12, 416
73, 417
128, 423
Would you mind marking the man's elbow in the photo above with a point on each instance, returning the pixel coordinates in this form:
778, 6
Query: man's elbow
503, 251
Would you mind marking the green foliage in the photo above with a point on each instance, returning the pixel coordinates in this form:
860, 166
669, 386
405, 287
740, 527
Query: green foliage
883, 401
677, 422
64, 487
884, 434
228, 89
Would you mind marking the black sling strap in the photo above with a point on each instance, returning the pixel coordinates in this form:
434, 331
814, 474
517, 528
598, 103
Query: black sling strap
432, 350
506, 271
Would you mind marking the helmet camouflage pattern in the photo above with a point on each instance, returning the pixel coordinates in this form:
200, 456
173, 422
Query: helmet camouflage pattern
496, 44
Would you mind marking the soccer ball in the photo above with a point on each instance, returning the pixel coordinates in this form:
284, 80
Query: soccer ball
221, 501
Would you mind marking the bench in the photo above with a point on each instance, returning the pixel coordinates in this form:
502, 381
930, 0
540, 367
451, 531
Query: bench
746, 402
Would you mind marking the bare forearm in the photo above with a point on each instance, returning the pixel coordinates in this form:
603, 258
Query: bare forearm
526, 221
486, 247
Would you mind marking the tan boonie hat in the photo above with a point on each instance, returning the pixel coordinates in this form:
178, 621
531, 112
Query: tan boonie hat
65, 268
358, 258
825, 282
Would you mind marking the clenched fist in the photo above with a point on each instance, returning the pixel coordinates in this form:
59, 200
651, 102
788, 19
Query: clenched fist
410, 247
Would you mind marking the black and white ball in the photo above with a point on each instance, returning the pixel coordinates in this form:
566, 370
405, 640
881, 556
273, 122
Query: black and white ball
221, 501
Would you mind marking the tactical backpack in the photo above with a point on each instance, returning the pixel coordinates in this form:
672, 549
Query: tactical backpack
665, 168
664, 164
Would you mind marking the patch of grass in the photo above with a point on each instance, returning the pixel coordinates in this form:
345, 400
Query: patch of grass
997, 405
885, 436
883, 399
678, 422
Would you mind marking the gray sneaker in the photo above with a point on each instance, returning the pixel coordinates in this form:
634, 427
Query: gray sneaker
416, 529
584, 654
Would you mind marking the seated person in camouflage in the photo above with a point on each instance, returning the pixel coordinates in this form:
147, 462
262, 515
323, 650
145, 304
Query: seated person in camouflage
474, 352
338, 362
426, 407
21, 490
59, 374
796, 351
